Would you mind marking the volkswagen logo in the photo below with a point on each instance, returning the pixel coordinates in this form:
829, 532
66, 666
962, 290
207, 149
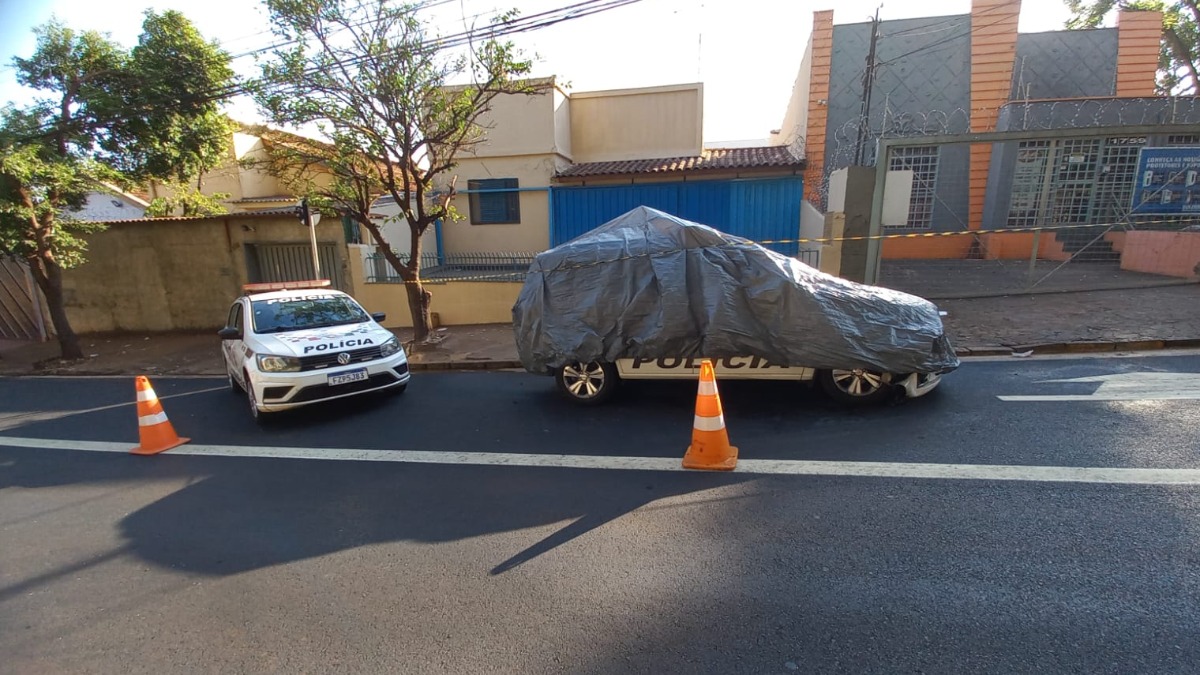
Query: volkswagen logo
344, 358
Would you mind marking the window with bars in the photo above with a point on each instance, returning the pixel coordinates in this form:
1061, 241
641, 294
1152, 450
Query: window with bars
494, 201
1073, 181
1029, 183
922, 160
1183, 139
1114, 185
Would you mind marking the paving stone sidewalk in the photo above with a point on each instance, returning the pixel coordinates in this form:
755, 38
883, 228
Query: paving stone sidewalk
1054, 322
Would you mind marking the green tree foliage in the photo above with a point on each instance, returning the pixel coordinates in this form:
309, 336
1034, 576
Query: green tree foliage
368, 77
106, 114
1179, 52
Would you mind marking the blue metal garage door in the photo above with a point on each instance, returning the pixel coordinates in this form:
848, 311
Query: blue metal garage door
760, 210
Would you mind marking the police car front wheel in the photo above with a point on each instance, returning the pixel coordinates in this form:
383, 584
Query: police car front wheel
855, 387
588, 383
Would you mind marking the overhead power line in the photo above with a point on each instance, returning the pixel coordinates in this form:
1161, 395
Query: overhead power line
512, 26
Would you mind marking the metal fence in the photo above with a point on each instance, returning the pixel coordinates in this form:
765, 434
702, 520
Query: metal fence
1037, 212
504, 267
444, 267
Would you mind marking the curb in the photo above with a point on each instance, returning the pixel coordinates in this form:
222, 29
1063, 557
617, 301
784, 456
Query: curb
1083, 347
465, 365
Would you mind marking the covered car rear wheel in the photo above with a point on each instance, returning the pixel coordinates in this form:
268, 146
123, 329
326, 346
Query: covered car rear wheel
587, 383
855, 387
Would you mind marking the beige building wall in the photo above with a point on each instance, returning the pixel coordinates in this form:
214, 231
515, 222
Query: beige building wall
174, 274
562, 123
648, 123
532, 233
520, 124
234, 179
530, 137
795, 118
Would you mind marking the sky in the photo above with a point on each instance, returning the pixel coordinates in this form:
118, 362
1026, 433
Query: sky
746, 52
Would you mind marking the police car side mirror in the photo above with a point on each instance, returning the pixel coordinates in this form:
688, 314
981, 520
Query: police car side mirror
229, 334
379, 316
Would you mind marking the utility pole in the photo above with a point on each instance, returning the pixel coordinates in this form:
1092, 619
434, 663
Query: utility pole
864, 120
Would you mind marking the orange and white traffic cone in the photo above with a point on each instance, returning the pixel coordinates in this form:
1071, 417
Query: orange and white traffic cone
710, 448
154, 429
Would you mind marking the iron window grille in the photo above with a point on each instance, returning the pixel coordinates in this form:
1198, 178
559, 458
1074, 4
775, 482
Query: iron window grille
922, 160
494, 201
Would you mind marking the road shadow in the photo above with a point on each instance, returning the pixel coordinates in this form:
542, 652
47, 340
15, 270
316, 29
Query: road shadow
248, 514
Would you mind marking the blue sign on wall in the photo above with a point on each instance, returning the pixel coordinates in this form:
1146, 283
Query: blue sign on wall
1167, 181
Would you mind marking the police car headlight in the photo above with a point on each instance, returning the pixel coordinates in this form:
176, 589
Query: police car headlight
390, 347
278, 364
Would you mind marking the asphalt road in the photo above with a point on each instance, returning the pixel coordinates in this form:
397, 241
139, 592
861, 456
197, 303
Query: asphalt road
178, 563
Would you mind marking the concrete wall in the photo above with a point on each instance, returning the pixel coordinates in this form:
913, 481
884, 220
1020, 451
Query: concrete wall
456, 303
936, 76
1066, 64
647, 123
396, 231
562, 123
795, 117
174, 274
1174, 254
102, 205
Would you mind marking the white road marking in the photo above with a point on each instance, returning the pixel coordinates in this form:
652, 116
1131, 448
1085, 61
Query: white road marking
1055, 474
14, 420
1139, 386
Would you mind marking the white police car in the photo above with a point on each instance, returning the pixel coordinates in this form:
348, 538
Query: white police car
596, 381
289, 344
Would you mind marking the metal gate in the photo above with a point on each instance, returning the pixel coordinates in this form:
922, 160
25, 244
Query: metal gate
20, 310
758, 209
291, 262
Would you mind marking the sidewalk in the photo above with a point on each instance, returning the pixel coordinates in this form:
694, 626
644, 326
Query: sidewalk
1144, 318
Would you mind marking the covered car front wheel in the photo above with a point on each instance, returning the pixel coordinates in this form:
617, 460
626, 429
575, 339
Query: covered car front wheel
856, 386
587, 383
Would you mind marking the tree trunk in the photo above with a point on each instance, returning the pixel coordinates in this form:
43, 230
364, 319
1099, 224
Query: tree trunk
418, 304
48, 276
419, 298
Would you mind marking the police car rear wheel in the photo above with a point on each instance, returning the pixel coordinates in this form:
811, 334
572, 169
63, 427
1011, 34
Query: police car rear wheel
587, 383
855, 387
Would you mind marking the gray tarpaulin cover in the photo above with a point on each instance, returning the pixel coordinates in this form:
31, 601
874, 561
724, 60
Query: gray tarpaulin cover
650, 285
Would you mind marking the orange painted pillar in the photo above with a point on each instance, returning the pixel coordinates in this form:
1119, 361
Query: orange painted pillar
818, 105
1139, 34
993, 52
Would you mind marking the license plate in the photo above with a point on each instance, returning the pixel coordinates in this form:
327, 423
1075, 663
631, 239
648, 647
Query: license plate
348, 377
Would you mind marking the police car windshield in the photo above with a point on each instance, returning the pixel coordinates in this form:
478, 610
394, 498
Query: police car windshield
299, 313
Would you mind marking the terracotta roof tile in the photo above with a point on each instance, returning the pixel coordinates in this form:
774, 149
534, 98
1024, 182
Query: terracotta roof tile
709, 159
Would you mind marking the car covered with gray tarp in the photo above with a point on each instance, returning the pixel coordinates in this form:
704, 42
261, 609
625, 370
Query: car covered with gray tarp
650, 286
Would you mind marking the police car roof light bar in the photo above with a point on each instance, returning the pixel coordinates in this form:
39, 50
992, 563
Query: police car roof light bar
285, 285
